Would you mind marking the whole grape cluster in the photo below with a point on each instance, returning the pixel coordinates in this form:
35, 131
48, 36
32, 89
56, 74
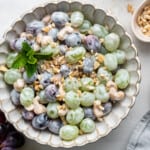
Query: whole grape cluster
79, 82
10, 139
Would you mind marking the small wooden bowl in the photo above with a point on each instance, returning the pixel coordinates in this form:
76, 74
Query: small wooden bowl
135, 27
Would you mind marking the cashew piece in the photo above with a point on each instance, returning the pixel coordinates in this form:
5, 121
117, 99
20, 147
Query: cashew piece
62, 33
62, 110
98, 110
19, 85
115, 95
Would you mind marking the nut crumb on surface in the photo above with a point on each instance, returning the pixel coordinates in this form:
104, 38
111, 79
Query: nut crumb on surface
130, 8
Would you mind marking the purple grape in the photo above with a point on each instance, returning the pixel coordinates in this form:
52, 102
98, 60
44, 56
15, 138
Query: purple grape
64, 70
40, 122
14, 140
60, 18
55, 125
53, 33
51, 92
7, 148
73, 40
63, 49
88, 112
45, 79
27, 115
3, 132
2, 117
107, 108
34, 27
88, 65
92, 43
15, 97
31, 79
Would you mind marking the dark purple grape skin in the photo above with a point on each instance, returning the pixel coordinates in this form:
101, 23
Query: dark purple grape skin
54, 126
64, 70
7, 148
92, 43
31, 79
53, 33
3, 132
14, 139
107, 108
45, 79
40, 122
27, 115
88, 112
15, 97
59, 18
2, 117
51, 92
88, 65
34, 27
63, 49
73, 40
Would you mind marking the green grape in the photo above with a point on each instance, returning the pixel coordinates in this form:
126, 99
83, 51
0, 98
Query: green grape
87, 125
74, 117
72, 100
99, 30
104, 75
122, 78
69, 132
26, 97
111, 42
76, 54
11, 76
42, 97
101, 93
10, 59
87, 84
110, 62
71, 84
121, 56
50, 50
87, 99
84, 28
77, 19
52, 110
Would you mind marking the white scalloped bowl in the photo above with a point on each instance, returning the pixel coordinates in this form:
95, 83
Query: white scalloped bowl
119, 112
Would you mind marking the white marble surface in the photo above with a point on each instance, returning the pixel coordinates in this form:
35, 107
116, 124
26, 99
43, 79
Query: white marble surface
118, 138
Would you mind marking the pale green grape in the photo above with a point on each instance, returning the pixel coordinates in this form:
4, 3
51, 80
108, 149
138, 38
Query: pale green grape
104, 75
87, 84
69, 132
11, 76
122, 78
87, 99
42, 97
111, 42
87, 125
26, 96
110, 62
77, 19
71, 84
52, 110
74, 117
99, 30
50, 50
101, 93
84, 28
72, 100
10, 59
121, 56
76, 54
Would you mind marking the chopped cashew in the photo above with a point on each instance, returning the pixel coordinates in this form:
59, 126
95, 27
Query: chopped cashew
98, 110
19, 85
62, 110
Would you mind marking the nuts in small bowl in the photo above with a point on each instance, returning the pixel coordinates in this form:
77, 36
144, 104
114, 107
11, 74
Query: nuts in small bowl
141, 22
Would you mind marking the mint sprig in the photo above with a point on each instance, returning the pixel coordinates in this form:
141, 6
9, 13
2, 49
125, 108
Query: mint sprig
28, 59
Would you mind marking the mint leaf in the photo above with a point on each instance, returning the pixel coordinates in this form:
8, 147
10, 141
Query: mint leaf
30, 69
26, 47
42, 56
19, 62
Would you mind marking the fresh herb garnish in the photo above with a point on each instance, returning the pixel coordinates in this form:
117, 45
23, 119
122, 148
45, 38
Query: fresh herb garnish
28, 59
